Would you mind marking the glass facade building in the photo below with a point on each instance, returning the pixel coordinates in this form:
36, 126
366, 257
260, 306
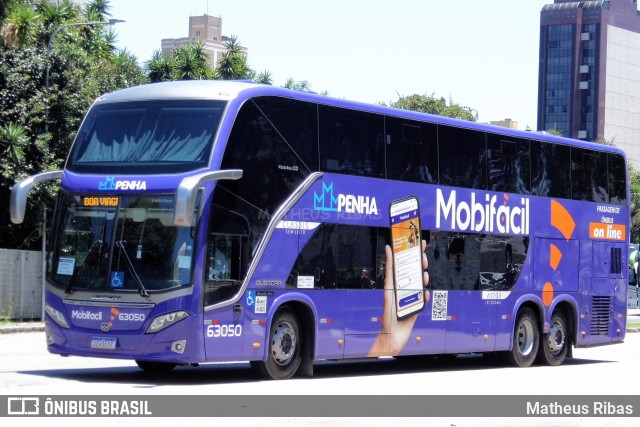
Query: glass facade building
589, 76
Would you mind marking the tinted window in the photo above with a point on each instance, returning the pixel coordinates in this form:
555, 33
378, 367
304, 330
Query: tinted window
589, 175
509, 169
272, 170
297, 123
462, 157
351, 142
412, 150
467, 261
343, 257
550, 170
617, 179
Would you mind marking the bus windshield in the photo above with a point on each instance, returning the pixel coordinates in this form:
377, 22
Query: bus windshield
137, 137
119, 243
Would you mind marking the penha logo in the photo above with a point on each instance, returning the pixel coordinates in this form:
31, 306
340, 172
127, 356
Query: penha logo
348, 203
326, 201
110, 184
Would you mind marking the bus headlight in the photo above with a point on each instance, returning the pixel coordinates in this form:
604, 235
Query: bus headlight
56, 316
166, 320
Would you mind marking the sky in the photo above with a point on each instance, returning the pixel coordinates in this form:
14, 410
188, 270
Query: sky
482, 54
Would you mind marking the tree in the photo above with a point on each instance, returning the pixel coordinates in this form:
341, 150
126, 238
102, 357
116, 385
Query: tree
439, 106
160, 67
634, 186
190, 62
265, 78
83, 65
301, 85
233, 63
21, 25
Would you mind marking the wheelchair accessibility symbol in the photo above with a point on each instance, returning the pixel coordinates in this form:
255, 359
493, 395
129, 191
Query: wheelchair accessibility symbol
250, 299
117, 279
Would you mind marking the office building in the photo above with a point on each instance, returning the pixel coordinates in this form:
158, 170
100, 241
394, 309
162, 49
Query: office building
506, 123
207, 29
589, 75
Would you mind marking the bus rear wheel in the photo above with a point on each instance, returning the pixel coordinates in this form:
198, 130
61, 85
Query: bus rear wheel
526, 340
156, 367
554, 347
285, 346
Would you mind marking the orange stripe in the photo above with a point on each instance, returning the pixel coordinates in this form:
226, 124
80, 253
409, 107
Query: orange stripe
554, 256
562, 219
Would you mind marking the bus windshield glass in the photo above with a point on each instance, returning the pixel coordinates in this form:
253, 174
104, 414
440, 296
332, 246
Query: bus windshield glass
119, 243
138, 137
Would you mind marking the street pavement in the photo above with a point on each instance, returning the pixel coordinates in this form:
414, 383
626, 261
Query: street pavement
633, 324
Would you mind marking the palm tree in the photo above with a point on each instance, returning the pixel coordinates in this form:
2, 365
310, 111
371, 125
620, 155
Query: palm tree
265, 78
233, 62
190, 62
160, 67
13, 140
21, 25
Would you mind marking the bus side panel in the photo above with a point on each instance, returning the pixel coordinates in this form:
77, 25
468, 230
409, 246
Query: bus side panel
224, 334
470, 323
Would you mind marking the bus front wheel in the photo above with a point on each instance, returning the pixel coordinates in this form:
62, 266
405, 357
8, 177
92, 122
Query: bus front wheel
526, 339
554, 346
284, 349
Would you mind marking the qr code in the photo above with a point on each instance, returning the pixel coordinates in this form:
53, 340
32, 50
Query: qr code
439, 307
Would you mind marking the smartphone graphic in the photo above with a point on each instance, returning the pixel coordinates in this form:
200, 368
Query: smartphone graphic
407, 256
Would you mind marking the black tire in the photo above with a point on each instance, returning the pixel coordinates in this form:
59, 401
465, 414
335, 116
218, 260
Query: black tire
526, 340
285, 347
554, 345
156, 367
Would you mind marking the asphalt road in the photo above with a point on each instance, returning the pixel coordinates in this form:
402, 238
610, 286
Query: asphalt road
28, 369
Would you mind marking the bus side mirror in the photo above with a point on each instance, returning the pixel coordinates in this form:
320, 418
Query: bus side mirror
20, 192
187, 192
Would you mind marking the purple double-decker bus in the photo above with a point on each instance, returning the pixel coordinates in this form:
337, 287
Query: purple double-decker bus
218, 221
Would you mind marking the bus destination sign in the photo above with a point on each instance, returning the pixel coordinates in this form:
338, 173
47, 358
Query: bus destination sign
101, 202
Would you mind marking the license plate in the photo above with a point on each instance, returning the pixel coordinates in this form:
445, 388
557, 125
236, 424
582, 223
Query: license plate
104, 343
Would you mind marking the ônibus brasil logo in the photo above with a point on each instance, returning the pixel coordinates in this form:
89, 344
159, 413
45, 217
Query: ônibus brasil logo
110, 183
487, 217
349, 203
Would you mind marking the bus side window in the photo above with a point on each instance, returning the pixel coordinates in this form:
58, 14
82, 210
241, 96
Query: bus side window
508, 164
550, 170
412, 150
466, 167
351, 142
617, 179
589, 175
342, 257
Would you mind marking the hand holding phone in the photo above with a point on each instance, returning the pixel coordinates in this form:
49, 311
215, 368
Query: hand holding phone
407, 257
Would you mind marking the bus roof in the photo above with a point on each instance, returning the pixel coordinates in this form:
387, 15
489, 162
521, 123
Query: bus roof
242, 90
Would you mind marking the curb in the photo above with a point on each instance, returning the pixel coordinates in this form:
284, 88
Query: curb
10, 329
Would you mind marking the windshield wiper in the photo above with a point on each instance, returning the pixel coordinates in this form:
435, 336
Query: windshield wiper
142, 290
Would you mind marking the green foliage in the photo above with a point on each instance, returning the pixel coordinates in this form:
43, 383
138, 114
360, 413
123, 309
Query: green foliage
301, 85
21, 25
83, 65
265, 78
233, 63
634, 187
190, 63
439, 106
